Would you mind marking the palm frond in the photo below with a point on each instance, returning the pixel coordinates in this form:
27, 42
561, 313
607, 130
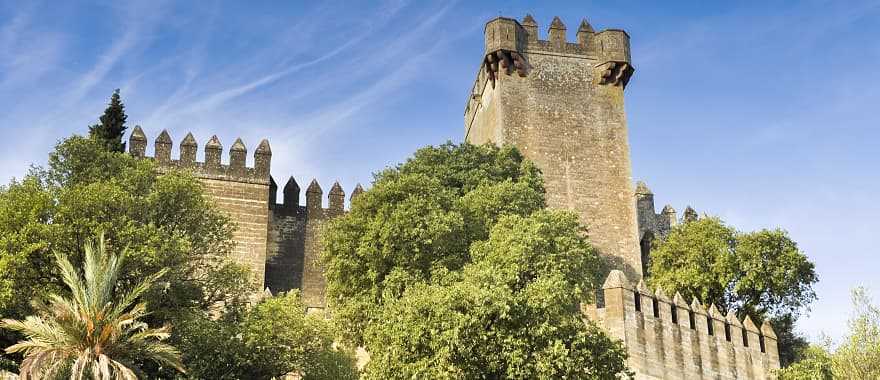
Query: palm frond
92, 333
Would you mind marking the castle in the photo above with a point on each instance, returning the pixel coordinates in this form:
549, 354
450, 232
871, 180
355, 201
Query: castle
562, 104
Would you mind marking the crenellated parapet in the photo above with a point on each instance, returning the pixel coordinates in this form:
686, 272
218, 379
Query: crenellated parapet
314, 202
212, 168
671, 339
509, 43
294, 240
653, 225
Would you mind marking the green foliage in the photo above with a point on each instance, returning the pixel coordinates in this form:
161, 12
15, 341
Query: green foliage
513, 312
814, 364
110, 130
419, 219
164, 220
449, 267
762, 274
272, 339
857, 356
697, 259
94, 331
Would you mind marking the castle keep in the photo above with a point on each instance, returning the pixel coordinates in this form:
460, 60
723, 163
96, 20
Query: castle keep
562, 104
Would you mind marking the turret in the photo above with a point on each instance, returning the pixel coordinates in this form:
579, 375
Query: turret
188, 148
163, 148
291, 193
213, 149
237, 155
273, 192
669, 217
556, 32
336, 199
358, 190
313, 199
531, 28
690, 215
612, 48
137, 142
263, 158
644, 198
585, 32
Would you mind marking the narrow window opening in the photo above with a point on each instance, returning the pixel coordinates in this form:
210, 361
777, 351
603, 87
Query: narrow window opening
656, 307
638, 298
674, 314
727, 331
745, 338
710, 324
691, 320
761, 342
645, 248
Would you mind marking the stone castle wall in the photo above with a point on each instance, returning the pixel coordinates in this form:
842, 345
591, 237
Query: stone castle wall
669, 339
561, 104
240, 191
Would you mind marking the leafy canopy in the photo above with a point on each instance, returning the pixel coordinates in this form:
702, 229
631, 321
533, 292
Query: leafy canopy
419, 219
856, 357
163, 219
513, 312
449, 267
112, 127
762, 274
94, 332
274, 338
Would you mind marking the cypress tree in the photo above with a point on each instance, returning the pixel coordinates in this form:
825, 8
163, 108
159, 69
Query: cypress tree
112, 126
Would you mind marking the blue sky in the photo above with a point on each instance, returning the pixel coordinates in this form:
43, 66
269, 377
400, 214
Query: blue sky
763, 113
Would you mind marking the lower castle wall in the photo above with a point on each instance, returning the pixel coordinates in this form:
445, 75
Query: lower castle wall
246, 205
668, 339
314, 285
285, 248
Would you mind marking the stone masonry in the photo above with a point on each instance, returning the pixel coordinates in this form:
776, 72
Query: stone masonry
561, 104
279, 243
669, 339
239, 191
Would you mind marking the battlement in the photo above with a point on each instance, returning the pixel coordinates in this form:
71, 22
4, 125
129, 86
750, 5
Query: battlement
294, 238
508, 34
509, 43
314, 198
671, 339
211, 168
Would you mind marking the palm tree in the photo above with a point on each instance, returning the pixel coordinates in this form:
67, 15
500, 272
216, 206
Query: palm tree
91, 333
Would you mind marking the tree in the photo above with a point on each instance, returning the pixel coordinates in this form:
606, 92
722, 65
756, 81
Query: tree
512, 313
858, 355
164, 220
94, 332
419, 219
274, 338
111, 128
449, 266
762, 274
814, 364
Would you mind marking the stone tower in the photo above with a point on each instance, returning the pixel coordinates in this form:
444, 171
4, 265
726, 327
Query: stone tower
561, 103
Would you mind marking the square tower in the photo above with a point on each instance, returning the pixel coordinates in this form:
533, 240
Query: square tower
561, 104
